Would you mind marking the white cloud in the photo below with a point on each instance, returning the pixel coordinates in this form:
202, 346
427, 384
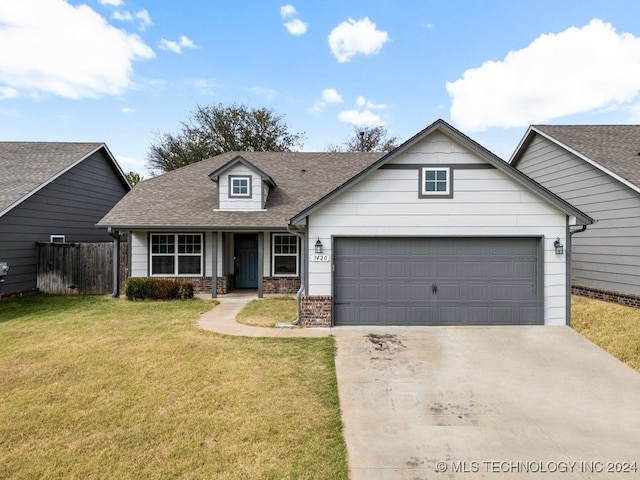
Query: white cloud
363, 102
65, 50
176, 47
577, 70
113, 3
122, 15
353, 37
288, 11
294, 25
127, 110
141, 15
363, 115
145, 19
358, 117
329, 95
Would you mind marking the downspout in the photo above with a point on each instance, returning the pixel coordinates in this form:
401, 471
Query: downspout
303, 264
582, 229
569, 269
116, 262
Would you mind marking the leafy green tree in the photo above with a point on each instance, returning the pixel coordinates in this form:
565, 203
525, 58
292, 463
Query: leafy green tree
133, 178
215, 129
367, 139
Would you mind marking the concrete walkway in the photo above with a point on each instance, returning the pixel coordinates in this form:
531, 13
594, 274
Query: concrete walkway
222, 319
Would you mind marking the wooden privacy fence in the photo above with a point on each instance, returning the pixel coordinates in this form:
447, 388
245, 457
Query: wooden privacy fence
85, 268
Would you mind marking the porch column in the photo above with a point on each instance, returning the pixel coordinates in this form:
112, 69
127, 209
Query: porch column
214, 264
260, 262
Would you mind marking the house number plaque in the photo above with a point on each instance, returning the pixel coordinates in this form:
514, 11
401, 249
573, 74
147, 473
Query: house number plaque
319, 257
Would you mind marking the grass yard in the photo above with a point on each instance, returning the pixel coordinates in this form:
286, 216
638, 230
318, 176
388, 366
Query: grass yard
93, 387
613, 327
266, 312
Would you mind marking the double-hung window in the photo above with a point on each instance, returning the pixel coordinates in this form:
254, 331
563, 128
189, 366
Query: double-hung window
284, 255
436, 182
176, 254
239, 186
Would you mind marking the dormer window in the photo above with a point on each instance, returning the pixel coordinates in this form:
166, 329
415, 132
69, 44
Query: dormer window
240, 186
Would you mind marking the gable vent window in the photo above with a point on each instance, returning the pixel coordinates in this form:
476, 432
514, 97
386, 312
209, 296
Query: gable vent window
436, 182
240, 186
179, 254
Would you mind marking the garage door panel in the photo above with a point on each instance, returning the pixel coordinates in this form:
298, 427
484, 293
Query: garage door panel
528, 315
346, 269
421, 315
502, 315
524, 269
448, 292
369, 291
449, 315
396, 292
397, 269
474, 270
448, 269
480, 281
477, 292
369, 269
478, 315
419, 292
420, 269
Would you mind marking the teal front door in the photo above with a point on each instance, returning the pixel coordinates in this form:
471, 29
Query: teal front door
246, 260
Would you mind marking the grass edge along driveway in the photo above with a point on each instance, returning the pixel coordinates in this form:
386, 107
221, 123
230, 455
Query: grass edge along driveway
93, 387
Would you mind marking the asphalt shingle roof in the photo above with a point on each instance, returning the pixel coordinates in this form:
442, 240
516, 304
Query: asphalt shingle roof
615, 147
186, 197
26, 166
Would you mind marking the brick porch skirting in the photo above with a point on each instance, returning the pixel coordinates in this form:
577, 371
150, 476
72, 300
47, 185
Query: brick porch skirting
627, 300
315, 311
281, 285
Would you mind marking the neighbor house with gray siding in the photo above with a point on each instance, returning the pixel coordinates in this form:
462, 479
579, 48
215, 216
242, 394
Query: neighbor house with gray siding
437, 232
52, 192
597, 169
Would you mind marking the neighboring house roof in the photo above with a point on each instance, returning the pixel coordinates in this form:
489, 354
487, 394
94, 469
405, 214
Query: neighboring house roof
613, 149
27, 167
186, 198
456, 135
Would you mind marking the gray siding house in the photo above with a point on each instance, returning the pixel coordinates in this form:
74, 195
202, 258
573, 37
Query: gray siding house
437, 232
597, 169
52, 192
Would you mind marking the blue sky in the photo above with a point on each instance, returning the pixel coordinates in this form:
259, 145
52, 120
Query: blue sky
121, 71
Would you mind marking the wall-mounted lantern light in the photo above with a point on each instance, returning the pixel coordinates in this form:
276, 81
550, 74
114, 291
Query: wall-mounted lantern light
558, 246
319, 246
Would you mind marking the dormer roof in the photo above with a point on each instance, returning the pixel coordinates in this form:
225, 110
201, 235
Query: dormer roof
215, 175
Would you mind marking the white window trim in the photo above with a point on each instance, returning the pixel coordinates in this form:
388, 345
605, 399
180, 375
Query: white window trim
57, 239
273, 255
423, 176
248, 179
176, 255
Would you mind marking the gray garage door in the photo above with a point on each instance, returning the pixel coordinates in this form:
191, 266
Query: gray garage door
437, 281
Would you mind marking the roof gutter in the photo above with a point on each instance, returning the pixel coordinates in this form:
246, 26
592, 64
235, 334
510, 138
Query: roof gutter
303, 264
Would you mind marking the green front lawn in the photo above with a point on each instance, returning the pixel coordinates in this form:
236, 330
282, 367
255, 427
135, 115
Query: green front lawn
93, 387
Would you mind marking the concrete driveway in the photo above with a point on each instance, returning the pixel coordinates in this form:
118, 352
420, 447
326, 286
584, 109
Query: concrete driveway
485, 402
